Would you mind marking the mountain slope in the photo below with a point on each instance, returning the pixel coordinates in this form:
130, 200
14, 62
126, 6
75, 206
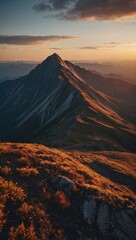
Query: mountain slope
122, 94
51, 194
55, 105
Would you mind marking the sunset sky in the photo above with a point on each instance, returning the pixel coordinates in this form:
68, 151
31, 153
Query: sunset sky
92, 30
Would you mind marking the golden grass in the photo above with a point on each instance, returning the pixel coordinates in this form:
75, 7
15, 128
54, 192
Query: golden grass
27, 171
22, 232
25, 185
75, 165
10, 190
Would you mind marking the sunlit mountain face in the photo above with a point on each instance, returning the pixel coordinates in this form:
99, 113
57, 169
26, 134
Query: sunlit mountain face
60, 104
68, 120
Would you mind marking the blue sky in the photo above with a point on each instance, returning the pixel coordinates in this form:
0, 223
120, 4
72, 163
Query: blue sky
88, 35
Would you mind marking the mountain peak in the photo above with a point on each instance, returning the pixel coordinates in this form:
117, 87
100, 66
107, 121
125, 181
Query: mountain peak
54, 60
54, 57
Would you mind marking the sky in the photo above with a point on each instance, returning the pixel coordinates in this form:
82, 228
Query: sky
84, 30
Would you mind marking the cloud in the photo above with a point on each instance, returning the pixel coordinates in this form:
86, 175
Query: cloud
97, 47
41, 7
31, 40
89, 48
106, 45
56, 48
114, 43
120, 43
52, 5
102, 9
89, 9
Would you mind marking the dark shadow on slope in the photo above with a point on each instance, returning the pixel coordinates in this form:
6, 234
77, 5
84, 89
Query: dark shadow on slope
117, 177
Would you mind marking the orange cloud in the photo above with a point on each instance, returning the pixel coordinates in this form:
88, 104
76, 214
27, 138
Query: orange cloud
88, 9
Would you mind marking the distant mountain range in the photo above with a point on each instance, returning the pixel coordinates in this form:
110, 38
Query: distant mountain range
62, 105
12, 70
125, 70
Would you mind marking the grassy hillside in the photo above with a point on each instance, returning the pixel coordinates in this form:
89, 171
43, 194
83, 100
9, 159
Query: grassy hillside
43, 190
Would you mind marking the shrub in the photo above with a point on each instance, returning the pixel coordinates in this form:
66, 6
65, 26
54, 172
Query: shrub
5, 170
27, 171
25, 210
2, 217
62, 199
59, 234
23, 160
9, 190
22, 233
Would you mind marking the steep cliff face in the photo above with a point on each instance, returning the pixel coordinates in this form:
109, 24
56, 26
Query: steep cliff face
55, 104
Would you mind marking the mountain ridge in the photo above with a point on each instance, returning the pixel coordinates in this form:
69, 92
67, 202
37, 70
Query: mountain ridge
54, 103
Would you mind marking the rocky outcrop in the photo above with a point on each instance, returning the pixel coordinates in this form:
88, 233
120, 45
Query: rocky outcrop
89, 211
110, 222
103, 219
125, 223
118, 235
63, 183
